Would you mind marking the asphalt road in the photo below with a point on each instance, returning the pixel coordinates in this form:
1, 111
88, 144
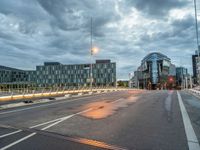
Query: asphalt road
136, 120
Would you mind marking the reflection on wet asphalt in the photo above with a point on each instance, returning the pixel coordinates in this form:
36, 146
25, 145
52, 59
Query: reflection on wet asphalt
168, 105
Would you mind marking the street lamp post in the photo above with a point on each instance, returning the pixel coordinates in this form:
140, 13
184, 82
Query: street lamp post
93, 50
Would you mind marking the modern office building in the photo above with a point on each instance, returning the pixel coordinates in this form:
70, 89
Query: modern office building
137, 77
57, 74
181, 74
196, 67
9, 75
156, 71
12, 78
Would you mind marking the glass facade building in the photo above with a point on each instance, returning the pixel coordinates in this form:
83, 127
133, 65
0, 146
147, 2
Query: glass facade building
155, 70
181, 73
9, 75
57, 74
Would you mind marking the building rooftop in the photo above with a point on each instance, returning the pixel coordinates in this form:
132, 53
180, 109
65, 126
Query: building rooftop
51, 63
158, 55
9, 68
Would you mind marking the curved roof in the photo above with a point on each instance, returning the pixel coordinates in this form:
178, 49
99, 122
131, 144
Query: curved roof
159, 56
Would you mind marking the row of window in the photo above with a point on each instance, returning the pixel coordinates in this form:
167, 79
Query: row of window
74, 67
97, 71
53, 81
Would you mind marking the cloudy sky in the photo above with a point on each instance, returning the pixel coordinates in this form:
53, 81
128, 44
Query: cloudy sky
34, 31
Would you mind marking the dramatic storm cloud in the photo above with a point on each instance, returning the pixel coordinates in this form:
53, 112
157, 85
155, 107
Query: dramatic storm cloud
34, 31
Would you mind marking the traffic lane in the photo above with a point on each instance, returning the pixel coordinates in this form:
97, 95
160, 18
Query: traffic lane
33, 99
145, 124
4, 141
41, 141
111, 102
5, 130
192, 105
58, 101
48, 112
47, 126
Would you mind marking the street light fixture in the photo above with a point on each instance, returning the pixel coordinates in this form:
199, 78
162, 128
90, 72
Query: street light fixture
93, 50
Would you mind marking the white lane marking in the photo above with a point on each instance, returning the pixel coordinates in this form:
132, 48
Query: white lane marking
41, 124
55, 123
18, 141
11, 133
192, 140
65, 118
43, 105
49, 126
38, 125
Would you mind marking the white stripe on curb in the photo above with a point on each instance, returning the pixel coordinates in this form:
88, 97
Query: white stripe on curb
192, 140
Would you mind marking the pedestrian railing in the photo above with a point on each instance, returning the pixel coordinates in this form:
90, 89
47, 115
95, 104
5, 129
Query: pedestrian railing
43, 93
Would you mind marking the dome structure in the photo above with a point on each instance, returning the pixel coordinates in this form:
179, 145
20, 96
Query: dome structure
155, 67
155, 55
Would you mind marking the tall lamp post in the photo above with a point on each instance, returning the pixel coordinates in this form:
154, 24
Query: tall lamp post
93, 50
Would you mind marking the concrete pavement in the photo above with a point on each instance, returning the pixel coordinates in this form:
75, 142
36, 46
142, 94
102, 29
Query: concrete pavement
141, 120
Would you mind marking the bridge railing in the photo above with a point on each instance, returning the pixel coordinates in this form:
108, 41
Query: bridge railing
57, 92
195, 91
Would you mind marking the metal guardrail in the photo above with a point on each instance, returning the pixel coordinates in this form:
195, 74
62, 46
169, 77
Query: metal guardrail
195, 91
57, 93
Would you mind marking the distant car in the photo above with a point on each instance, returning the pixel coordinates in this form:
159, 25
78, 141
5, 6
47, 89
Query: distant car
52, 98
